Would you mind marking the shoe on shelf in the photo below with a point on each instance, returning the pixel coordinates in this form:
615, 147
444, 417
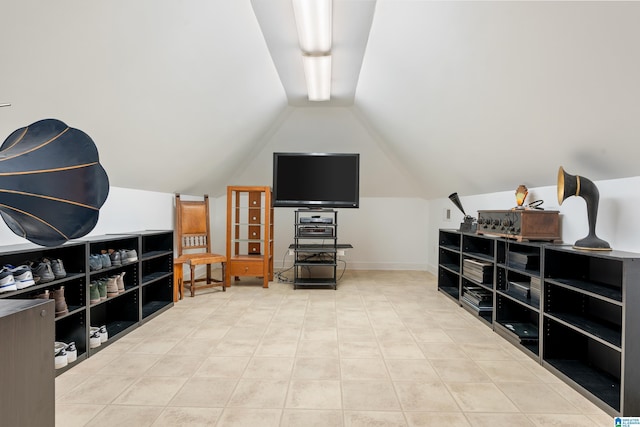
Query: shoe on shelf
60, 354
105, 260
72, 352
61, 303
22, 275
7, 281
104, 334
43, 295
116, 258
94, 337
42, 270
58, 269
94, 292
95, 262
132, 255
112, 286
120, 282
102, 288
123, 256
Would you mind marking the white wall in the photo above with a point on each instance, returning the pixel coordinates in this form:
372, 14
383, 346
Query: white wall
125, 210
616, 221
386, 233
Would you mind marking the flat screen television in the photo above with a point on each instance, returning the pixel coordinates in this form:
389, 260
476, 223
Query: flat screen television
316, 180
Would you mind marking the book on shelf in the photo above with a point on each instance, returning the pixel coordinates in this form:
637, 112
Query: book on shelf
479, 271
524, 261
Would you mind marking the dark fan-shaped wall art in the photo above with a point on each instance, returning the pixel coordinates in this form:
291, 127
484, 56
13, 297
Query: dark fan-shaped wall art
52, 185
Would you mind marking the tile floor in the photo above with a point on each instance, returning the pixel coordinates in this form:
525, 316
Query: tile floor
385, 349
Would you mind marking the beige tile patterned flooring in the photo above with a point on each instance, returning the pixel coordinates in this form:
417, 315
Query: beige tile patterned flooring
384, 349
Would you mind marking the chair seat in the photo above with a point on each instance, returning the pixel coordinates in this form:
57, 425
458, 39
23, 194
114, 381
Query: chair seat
194, 260
201, 259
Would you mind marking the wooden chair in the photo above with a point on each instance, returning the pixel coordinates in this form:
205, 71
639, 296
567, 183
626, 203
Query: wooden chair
193, 235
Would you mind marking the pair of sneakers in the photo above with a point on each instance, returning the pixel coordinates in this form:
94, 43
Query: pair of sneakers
47, 270
15, 278
98, 336
123, 256
64, 354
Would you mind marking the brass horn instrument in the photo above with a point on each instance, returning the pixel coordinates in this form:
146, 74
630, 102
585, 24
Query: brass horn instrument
576, 185
52, 184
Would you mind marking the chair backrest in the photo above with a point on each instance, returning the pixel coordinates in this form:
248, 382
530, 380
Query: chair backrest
192, 225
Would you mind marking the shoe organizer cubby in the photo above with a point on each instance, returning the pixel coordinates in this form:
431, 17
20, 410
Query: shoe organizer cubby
585, 361
155, 296
478, 247
449, 259
512, 283
148, 284
525, 257
590, 314
518, 322
448, 282
478, 299
450, 239
72, 328
119, 314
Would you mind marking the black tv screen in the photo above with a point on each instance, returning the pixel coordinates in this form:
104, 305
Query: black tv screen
316, 180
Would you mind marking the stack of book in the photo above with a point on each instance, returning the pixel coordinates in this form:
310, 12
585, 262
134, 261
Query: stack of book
479, 298
524, 261
480, 271
522, 289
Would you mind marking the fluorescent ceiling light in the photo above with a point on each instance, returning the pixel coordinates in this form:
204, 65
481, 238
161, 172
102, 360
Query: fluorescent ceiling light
313, 19
317, 70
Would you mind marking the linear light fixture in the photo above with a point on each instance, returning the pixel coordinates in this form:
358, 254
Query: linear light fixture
317, 71
314, 23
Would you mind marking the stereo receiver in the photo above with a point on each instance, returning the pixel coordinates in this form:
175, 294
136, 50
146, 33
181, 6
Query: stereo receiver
520, 224
315, 231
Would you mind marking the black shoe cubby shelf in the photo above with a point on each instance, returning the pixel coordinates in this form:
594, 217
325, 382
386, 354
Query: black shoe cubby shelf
571, 310
148, 284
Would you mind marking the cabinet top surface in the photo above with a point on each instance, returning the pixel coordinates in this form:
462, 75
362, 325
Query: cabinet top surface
11, 306
27, 247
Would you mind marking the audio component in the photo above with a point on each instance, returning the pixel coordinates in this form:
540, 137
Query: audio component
520, 224
315, 231
316, 220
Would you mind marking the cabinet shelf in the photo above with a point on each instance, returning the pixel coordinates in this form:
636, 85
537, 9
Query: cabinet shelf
593, 289
608, 335
531, 303
249, 233
155, 254
148, 279
158, 275
579, 305
602, 385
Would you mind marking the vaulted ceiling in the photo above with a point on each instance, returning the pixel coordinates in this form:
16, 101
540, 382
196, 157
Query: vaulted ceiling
193, 95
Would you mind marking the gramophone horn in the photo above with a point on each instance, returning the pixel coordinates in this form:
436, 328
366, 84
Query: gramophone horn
51, 183
456, 201
576, 185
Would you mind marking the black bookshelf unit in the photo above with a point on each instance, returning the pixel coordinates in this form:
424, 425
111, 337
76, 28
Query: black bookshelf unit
148, 285
570, 310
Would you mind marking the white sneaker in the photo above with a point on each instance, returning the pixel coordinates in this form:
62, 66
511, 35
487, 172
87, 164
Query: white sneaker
94, 337
22, 275
72, 352
7, 281
61, 359
104, 335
